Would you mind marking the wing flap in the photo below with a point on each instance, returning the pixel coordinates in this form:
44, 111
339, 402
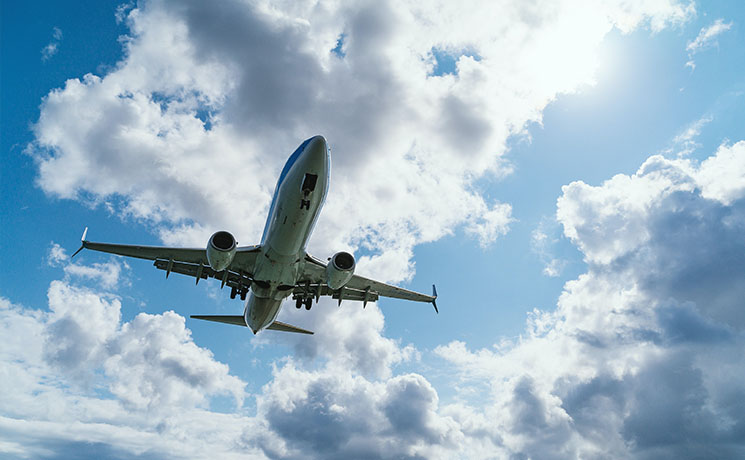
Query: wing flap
238, 280
318, 290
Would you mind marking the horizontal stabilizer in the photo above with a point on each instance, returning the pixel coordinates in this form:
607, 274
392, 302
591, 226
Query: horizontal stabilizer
227, 319
280, 326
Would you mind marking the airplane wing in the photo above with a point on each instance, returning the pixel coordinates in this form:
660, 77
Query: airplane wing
358, 288
186, 261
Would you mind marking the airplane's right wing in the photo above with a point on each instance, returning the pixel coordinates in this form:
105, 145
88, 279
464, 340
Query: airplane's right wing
187, 261
359, 287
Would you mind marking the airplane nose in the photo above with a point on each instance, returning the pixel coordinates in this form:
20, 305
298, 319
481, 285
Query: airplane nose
317, 146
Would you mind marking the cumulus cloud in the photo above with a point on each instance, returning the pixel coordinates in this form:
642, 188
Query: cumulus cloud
130, 387
209, 95
149, 362
706, 38
339, 415
639, 360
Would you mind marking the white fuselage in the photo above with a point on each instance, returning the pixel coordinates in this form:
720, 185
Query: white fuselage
300, 193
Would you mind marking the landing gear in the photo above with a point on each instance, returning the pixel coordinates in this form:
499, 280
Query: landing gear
235, 292
308, 302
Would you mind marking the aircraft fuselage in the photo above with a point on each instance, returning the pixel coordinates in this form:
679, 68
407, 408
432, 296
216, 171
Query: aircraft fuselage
300, 193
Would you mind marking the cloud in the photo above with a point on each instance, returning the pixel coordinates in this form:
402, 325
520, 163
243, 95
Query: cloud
541, 244
107, 274
211, 94
208, 93
640, 359
685, 143
53, 46
344, 416
131, 388
706, 38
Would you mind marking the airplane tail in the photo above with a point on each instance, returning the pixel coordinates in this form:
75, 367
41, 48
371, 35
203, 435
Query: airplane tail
240, 321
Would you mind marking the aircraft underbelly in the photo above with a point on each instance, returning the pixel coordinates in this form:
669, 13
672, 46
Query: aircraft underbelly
260, 312
298, 198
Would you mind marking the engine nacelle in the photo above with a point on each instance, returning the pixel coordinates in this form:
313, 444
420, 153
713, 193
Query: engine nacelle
220, 251
339, 270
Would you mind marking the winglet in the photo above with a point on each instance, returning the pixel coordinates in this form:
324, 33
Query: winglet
434, 300
82, 241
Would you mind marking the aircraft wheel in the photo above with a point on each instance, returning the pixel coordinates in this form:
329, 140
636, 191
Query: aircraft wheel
298, 302
243, 295
308, 303
233, 292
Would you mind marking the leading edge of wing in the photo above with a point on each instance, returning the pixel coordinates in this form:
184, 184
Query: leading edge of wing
190, 255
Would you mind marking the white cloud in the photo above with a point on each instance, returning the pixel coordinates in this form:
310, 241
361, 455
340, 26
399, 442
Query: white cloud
53, 46
345, 416
211, 94
706, 38
107, 274
132, 387
685, 143
640, 359
541, 244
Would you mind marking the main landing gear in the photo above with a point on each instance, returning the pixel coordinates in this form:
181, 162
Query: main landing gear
299, 302
234, 292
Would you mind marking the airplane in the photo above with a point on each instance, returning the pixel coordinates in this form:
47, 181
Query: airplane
264, 275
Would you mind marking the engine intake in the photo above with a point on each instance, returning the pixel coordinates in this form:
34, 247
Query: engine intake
220, 250
339, 270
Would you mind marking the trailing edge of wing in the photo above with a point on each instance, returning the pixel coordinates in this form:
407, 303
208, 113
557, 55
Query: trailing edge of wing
227, 319
280, 326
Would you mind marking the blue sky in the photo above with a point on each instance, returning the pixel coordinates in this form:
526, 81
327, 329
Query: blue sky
573, 181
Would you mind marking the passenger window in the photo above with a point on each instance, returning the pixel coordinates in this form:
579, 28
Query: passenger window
309, 184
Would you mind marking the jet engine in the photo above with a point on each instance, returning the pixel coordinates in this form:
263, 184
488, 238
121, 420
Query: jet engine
220, 250
339, 270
